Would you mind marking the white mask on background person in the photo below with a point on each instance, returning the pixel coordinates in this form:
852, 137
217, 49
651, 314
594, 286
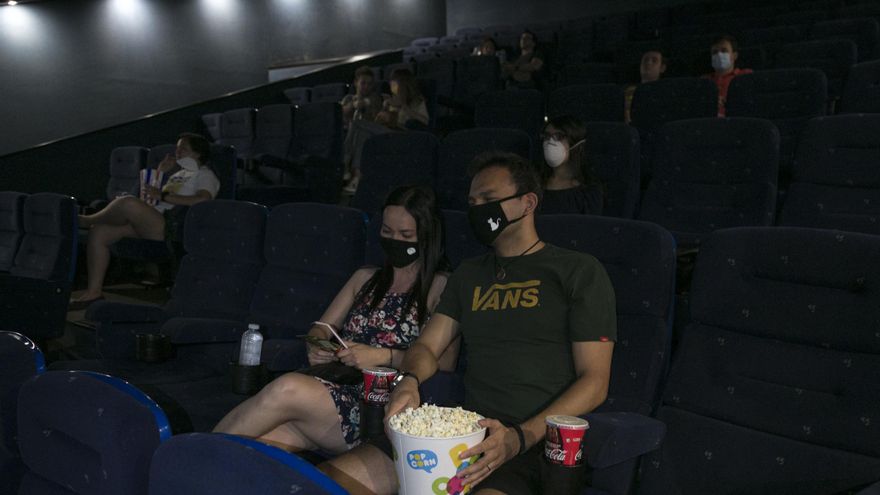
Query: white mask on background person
556, 152
188, 163
721, 61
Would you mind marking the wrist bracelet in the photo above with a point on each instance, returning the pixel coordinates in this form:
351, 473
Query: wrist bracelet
522, 438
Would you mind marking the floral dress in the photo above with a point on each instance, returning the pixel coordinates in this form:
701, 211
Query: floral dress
387, 327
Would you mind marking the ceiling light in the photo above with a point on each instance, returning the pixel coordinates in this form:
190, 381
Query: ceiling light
11, 2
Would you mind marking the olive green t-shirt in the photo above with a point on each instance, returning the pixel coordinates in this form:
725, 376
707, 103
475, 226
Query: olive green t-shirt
518, 331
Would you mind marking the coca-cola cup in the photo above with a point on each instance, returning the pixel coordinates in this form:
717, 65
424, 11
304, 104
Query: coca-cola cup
563, 471
377, 393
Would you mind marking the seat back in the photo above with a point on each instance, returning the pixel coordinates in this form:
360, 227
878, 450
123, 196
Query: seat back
442, 72
88, 433
311, 250
864, 32
639, 258
772, 388
332, 92
511, 109
11, 227
223, 240
158, 153
587, 102
391, 160
237, 130
224, 164
458, 150
475, 76
573, 74
833, 57
48, 247
197, 464
613, 151
836, 176
212, 122
460, 241
712, 174
298, 96
125, 166
862, 90
317, 131
20, 359
274, 131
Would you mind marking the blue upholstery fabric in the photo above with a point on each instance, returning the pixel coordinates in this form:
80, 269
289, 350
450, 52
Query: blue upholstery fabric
274, 131
48, 248
457, 151
773, 389
224, 164
864, 32
158, 152
836, 177
11, 227
198, 463
862, 90
317, 145
712, 174
298, 96
588, 73
613, 151
391, 160
771, 36
666, 100
20, 359
614, 437
788, 97
212, 122
460, 241
329, 93
833, 57
588, 102
442, 71
511, 109
475, 76
126, 163
311, 250
91, 434
237, 130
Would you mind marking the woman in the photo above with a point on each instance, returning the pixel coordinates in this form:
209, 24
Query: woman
128, 216
380, 312
569, 183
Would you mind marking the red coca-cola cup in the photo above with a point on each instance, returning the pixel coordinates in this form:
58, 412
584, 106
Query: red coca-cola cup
563, 470
377, 393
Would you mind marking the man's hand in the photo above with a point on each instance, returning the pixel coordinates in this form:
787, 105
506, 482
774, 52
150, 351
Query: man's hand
500, 445
405, 394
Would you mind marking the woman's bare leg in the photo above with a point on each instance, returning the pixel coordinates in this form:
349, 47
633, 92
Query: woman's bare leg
294, 412
363, 470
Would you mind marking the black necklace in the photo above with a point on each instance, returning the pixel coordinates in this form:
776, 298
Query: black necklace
500, 272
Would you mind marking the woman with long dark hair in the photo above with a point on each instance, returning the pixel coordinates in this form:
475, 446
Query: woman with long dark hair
378, 313
570, 185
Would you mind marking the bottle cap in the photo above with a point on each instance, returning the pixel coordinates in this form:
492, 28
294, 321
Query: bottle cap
253, 326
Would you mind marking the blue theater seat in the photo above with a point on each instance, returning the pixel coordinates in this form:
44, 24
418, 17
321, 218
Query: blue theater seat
298, 96
237, 130
198, 464
833, 57
772, 388
712, 174
613, 151
521, 109
862, 90
475, 76
87, 433
126, 163
329, 93
11, 227
836, 176
864, 32
587, 102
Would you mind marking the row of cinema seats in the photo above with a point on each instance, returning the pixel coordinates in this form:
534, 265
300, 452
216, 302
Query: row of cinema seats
760, 398
38, 247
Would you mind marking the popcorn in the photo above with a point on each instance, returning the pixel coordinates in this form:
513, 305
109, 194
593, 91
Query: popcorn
435, 422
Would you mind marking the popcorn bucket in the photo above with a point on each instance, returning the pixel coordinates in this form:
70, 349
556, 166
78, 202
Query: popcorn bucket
428, 465
153, 178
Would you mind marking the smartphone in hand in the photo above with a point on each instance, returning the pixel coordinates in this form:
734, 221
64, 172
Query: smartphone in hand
323, 344
332, 332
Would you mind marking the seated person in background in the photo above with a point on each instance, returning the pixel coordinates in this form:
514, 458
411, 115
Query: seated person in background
366, 101
128, 216
724, 56
489, 47
651, 68
379, 313
569, 183
544, 352
405, 104
526, 70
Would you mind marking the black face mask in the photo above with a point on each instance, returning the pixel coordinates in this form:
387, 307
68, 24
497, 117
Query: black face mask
488, 219
399, 253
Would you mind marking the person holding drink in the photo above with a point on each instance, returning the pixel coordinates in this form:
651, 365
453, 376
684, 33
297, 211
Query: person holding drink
539, 324
378, 314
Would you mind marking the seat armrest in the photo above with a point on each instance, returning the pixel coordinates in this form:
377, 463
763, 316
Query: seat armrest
281, 355
203, 330
619, 436
110, 311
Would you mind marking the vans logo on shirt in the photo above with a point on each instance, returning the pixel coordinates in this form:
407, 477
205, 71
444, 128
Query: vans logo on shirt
506, 296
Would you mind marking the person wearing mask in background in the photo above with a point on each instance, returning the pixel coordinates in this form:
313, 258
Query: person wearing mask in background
525, 72
651, 68
569, 183
128, 216
724, 55
366, 101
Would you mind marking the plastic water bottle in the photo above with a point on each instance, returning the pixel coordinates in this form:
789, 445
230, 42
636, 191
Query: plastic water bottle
251, 346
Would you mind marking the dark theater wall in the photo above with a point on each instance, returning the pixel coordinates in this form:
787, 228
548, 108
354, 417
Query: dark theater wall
72, 66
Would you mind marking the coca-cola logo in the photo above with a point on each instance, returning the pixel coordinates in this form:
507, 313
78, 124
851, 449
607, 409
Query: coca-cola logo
555, 455
378, 396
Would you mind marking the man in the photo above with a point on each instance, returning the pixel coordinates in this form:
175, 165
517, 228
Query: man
724, 55
538, 322
651, 68
366, 101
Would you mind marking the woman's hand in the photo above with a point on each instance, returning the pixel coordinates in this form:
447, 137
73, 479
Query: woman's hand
363, 356
167, 163
317, 355
500, 445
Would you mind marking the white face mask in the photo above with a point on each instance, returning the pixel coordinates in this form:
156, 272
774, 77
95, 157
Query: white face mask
721, 61
556, 152
188, 163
